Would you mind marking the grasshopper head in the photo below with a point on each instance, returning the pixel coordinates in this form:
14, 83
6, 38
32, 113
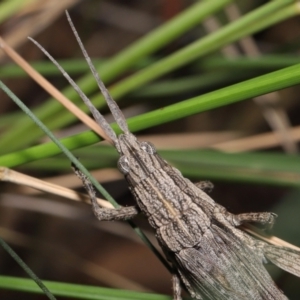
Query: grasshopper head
137, 158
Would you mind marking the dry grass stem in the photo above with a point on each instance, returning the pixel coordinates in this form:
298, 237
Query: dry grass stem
270, 239
9, 175
256, 142
43, 82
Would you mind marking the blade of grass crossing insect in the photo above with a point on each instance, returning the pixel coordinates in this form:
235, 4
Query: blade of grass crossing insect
241, 91
73, 159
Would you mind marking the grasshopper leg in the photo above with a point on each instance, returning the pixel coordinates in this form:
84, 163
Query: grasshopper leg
206, 186
102, 213
176, 287
263, 218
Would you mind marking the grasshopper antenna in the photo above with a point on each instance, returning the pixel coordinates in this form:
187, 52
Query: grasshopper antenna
110, 134
114, 108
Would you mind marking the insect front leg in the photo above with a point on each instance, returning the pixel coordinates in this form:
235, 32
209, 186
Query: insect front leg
264, 218
111, 214
102, 213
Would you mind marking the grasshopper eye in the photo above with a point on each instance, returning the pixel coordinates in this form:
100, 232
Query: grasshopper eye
148, 147
123, 165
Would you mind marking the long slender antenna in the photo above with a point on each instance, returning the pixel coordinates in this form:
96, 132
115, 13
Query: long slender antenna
54, 92
114, 108
96, 114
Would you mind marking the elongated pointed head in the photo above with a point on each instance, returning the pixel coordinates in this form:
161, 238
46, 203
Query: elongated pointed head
138, 159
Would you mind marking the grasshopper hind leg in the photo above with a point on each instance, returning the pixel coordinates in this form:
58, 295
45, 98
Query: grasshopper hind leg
176, 287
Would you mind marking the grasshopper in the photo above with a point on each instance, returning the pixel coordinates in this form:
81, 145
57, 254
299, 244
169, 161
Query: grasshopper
211, 256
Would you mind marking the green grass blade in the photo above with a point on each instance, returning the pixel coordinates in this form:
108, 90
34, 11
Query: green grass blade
265, 62
72, 67
21, 263
249, 24
238, 92
76, 291
259, 168
10, 7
